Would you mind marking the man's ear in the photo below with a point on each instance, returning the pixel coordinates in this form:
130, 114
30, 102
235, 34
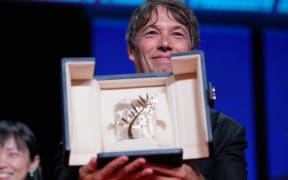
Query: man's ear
34, 164
131, 53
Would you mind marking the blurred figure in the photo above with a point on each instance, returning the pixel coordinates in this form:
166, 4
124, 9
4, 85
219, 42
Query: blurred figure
19, 155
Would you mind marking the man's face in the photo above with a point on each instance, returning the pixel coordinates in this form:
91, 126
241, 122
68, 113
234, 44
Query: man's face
160, 37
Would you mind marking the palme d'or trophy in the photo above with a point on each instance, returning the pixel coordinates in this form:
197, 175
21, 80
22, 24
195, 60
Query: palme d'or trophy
137, 120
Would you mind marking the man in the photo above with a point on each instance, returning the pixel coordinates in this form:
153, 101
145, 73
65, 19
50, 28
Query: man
157, 29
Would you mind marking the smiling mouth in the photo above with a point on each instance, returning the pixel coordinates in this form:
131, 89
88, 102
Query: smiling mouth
162, 59
5, 175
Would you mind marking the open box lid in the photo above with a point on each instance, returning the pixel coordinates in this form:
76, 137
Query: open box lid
92, 104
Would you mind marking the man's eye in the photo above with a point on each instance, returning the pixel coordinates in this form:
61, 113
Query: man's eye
151, 33
178, 34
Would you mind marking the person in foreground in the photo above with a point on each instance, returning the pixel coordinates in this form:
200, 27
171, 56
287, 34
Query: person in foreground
19, 156
158, 28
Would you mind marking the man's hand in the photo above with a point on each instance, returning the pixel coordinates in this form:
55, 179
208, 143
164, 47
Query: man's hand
116, 170
185, 172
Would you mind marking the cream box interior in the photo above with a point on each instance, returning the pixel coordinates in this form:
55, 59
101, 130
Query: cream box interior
91, 104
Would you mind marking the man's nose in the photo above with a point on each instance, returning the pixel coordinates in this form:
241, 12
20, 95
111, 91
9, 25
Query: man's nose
164, 43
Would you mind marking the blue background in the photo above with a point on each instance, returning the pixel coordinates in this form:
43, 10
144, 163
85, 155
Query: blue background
229, 66
245, 53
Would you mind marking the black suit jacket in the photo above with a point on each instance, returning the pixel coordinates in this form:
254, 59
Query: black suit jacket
227, 160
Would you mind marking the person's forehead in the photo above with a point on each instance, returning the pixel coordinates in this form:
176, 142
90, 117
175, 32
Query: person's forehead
11, 144
163, 13
160, 11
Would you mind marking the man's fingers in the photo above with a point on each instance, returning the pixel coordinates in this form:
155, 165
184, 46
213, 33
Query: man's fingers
144, 173
134, 170
135, 165
90, 167
114, 165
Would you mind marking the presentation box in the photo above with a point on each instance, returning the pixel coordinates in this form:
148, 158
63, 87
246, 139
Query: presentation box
164, 117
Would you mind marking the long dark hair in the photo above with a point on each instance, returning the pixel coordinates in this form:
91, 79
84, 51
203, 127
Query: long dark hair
24, 137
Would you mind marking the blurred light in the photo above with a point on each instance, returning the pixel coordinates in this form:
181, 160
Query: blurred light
260, 6
123, 2
282, 6
232, 5
68, 1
